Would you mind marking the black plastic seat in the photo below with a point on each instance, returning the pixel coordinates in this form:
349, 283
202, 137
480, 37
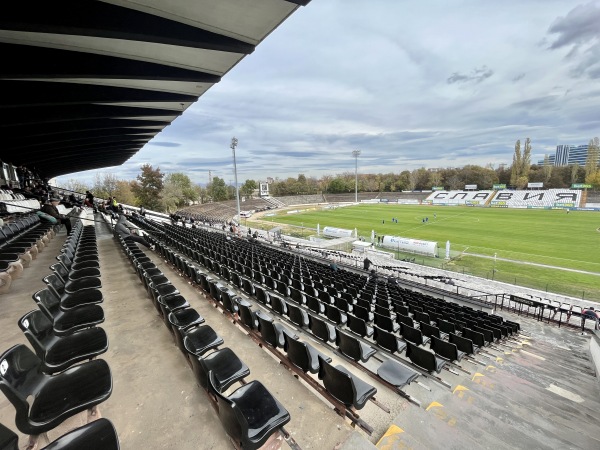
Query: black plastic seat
66, 322
359, 326
344, 386
388, 341
66, 261
199, 340
303, 355
230, 301
297, 315
404, 319
161, 290
226, 367
463, 344
97, 435
8, 439
386, 323
170, 303
446, 327
271, 332
413, 335
250, 415
445, 349
315, 305
321, 329
335, 315
182, 320
429, 330
72, 275
54, 398
363, 313
57, 353
352, 347
424, 358
278, 305
70, 287
477, 338
247, 315
396, 373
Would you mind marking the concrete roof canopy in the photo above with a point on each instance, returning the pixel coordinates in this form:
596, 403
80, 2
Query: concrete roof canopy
86, 84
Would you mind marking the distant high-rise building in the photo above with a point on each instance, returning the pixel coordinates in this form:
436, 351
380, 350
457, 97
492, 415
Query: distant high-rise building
568, 155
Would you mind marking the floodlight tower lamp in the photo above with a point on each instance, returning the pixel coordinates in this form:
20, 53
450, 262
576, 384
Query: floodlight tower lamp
234, 143
356, 154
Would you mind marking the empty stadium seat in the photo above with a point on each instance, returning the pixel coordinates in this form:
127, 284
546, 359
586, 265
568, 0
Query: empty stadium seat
250, 415
344, 386
53, 398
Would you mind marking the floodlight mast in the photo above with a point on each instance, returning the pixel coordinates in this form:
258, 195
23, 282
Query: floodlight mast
234, 143
356, 154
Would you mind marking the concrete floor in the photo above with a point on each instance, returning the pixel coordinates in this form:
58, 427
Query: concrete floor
539, 392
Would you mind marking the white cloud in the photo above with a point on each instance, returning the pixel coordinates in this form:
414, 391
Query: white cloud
411, 84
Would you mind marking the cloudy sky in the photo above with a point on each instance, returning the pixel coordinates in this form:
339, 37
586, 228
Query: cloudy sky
433, 83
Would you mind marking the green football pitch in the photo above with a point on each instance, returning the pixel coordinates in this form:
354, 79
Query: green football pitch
544, 249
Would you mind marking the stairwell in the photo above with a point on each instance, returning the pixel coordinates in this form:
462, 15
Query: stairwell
583, 200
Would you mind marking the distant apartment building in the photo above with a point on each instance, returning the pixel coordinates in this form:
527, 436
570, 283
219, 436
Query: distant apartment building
568, 155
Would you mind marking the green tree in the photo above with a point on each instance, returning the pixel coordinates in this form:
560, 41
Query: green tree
526, 160
178, 191
217, 190
248, 188
75, 185
515, 171
148, 187
105, 185
592, 160
124, 193
547, 169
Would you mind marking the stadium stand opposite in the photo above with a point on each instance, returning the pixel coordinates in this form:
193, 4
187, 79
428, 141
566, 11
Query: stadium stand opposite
593, 199
559, 198
291, 200
471, 198
349, 197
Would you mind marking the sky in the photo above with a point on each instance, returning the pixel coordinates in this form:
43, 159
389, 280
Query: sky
410, 84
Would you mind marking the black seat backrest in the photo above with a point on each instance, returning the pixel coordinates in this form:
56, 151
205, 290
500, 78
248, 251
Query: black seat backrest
429, 330
321, 329
446, 327
421, 317
247, 286
278, 304
297, 296
444, 349
384, 322
335, 315
357, 325
297, 315
477, 338
342, 304
421, 357
248, 316
386, 340
338, 383
402, 319
268, 331
361, 312
314, 305
411, 334
297, 352
232, 422
384, 311
261, 295
463, 344
352, 347
401, 309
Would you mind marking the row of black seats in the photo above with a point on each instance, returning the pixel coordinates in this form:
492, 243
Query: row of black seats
322, 329
368, 307
21, 240
52, 383
351, 391
251, 415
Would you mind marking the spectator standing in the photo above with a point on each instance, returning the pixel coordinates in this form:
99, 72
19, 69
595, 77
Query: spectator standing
366, 263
